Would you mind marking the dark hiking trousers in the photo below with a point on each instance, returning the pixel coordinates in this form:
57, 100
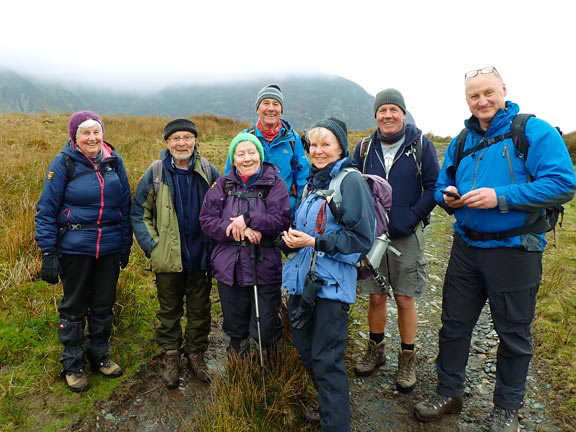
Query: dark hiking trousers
239, 312
509, 279
192, 287
89, 290
321, 345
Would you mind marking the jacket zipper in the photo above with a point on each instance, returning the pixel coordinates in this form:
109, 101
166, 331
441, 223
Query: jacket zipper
507, 154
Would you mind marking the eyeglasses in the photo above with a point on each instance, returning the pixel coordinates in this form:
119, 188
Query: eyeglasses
186, 138
484, 70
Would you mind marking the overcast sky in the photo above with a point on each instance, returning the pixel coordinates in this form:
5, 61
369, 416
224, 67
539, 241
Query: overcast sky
422, 48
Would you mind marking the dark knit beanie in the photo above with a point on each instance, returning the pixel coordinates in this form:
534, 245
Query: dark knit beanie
389, 96
271, 91
80, 117
339, 129
179, 125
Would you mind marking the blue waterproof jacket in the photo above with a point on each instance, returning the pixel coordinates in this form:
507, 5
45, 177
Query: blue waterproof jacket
99, 195
341, 245
412, 194
523, 188
293, 165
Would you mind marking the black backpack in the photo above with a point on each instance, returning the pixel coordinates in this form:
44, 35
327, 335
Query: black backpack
553, 215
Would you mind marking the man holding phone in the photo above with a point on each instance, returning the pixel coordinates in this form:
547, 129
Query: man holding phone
494, 195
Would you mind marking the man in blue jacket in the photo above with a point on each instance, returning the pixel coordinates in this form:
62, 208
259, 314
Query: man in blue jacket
281, 143
398, 152
492, 191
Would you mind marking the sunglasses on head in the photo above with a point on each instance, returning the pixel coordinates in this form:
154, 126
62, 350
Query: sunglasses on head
484, 70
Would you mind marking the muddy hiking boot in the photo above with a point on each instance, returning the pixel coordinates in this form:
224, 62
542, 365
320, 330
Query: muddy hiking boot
76, 381
312, 414
436, 406
406, 375
373, 358
504, 420
109, 369
198, 366
171, 369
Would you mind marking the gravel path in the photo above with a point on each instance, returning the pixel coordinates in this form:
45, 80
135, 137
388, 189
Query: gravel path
377, 406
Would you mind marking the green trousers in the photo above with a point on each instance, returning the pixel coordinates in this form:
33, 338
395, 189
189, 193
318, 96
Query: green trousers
175, 289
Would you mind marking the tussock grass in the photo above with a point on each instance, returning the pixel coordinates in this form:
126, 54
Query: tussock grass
555, 324
31, 394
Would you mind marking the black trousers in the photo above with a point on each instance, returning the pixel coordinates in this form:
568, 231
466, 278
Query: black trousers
509, 278
89, 290
321, 345
239, 312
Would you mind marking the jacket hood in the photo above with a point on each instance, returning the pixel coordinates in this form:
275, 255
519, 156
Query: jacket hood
266, 176
501, 121
70, 149
411, 133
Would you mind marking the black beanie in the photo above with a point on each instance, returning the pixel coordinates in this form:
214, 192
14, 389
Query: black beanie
339, 129
179, 125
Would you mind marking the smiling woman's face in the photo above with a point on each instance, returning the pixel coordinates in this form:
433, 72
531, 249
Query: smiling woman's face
324, 148
246, 158
89, 140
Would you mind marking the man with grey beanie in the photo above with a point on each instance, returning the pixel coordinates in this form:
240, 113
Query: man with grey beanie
398, 152
280, 141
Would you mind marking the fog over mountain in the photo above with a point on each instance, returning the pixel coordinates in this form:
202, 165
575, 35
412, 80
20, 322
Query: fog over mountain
307, 99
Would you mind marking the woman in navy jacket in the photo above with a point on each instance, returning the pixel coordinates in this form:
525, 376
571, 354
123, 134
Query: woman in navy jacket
83, 229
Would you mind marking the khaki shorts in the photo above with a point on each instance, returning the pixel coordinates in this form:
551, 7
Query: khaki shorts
407, 272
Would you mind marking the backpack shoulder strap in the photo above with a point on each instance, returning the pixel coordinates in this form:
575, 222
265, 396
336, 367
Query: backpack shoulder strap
459, 148
364, 149
70, 163
334, 195
418, 152
207, 169
157, 175
518, 131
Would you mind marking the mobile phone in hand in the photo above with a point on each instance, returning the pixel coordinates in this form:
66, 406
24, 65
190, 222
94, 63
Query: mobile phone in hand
450, 194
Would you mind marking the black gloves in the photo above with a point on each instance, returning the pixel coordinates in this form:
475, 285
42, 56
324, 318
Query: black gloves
50, 266
302, 314
124, 258
279, 242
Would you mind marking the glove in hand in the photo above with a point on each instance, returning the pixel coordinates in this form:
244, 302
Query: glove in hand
124, 258
303, 313
50, 267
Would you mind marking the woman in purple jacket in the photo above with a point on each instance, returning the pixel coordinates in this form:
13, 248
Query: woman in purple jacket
244, 212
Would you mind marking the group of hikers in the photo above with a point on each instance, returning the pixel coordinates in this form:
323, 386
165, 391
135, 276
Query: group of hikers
194, 224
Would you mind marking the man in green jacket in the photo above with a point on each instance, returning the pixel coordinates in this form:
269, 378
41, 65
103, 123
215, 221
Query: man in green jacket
165, 222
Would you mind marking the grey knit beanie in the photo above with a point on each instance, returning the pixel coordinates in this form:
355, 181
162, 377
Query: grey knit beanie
270, 91
339, 129
389, 96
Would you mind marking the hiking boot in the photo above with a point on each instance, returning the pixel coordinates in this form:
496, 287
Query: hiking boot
504, 420
312, 414
373, 358
171, 372
436, 406
406, 376
109, 369
198, 366
76, 381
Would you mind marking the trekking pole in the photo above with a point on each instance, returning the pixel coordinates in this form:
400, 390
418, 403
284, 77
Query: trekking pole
253, 259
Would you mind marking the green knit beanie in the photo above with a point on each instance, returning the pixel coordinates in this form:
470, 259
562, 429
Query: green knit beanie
241, 137
389, 96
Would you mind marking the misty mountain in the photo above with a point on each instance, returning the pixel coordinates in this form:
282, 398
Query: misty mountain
306, 99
